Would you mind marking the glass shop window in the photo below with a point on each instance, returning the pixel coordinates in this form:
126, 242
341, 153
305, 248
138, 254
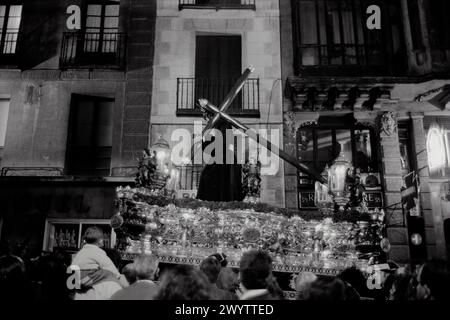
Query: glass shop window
438, 148
67, 234
319, 147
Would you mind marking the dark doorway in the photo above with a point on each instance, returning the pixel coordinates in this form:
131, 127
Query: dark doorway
447, 236
89, 141
218, 64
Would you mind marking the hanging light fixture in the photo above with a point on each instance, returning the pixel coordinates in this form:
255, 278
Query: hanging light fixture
337, 179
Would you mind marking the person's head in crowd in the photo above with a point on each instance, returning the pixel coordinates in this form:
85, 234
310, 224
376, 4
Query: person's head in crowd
13, 281
400, 288
222, 258
303, 281
184, 283
255, 271
63, 256
94, 235
228, 280
326, 289
356, 279
130, 273
145, 267
433, 281
211, 268
51, 273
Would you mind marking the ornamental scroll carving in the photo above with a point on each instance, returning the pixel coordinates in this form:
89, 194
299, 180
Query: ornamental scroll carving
292, 125
332, 96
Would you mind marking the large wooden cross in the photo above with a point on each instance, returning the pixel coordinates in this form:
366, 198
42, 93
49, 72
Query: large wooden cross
220, 113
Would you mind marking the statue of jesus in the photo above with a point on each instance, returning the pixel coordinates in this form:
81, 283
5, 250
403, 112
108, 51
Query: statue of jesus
221, 182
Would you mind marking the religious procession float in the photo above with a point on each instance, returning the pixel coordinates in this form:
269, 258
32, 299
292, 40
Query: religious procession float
151, 220
342, 233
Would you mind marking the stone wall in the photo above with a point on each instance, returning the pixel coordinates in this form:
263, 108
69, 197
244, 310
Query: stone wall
40, 95
175, 51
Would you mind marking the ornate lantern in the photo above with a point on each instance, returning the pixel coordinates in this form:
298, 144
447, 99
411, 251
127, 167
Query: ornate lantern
162, 152
337, 179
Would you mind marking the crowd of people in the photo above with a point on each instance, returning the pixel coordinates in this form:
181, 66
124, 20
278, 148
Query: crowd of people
102, 277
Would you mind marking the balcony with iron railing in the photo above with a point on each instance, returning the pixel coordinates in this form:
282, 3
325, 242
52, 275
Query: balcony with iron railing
217, 4
8, 48
189, 90
93, 50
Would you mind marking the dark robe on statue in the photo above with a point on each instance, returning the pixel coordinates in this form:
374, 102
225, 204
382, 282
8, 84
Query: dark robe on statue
221, 182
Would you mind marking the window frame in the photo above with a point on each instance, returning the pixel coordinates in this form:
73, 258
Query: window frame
101, 40
70, 147
363, 45
4, 29
309, 187
49, 222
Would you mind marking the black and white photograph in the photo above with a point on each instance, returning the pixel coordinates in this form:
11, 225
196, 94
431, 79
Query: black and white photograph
225, 150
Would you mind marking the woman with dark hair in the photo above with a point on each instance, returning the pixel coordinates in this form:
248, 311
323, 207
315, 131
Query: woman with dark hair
184, 283
211, 268
355, 283
257, 280
326, 289
14, 284
228, 280
400, 288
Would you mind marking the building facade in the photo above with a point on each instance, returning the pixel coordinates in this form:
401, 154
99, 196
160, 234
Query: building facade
77, 106
75, 93
373, 94
201, 49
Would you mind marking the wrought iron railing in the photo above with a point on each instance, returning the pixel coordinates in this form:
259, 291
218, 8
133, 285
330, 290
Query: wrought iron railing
326, 55
217, 4
93, 50
189, 90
